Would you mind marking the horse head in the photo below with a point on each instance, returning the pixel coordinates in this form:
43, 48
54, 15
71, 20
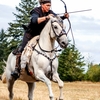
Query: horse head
58, 31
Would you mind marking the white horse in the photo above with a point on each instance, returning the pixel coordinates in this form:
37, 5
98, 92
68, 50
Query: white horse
42, 61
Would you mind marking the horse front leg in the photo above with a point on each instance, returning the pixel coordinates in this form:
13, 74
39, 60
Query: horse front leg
10, 88
31, 87
60, 83
41, 76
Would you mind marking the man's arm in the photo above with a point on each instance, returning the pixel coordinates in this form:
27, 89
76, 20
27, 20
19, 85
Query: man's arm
35, 19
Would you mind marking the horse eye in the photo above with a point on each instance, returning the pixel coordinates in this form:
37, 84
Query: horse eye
55, 27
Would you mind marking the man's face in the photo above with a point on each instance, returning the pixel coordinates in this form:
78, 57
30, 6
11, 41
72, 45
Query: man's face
46, 7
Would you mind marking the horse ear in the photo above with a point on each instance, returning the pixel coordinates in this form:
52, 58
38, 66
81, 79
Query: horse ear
25, 27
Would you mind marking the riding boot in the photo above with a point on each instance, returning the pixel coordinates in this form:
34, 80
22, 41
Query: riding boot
16, 72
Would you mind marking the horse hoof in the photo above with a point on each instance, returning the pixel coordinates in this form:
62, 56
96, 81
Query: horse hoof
61, 99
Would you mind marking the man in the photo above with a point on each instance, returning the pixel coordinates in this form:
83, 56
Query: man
39, 18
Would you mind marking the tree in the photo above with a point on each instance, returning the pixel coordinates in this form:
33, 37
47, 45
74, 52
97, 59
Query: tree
13, 36
3, 45
93, 73
71, 64
15, 31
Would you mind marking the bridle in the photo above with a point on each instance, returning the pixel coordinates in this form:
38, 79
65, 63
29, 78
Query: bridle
63, 32
53, 50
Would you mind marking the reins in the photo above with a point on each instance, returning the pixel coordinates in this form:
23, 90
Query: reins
50, 51
70, 28
58, 36
53, 50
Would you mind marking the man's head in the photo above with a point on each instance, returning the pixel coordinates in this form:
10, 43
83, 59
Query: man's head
45, 4
44, 1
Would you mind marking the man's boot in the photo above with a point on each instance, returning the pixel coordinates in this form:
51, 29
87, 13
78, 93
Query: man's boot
16, 72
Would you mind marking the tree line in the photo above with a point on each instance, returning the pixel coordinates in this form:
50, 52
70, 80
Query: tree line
71, 62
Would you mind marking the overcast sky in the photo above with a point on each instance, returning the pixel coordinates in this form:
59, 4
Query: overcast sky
85, 25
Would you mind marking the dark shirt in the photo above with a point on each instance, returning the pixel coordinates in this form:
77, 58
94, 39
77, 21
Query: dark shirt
35, 14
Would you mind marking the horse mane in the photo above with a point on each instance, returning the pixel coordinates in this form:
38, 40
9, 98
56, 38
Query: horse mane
47, 27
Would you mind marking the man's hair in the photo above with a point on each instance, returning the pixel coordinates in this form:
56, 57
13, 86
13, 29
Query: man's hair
44, 1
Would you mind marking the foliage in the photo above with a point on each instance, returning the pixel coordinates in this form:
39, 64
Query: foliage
70, 60
93, 73
13, 37
71, 64
15, 31
3, 48
3, 45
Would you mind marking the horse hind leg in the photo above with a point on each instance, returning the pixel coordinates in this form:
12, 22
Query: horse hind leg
10, 88
60, 83
31, 87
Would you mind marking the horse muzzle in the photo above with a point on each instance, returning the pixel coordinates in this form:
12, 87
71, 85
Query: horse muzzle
62, 40
63, 45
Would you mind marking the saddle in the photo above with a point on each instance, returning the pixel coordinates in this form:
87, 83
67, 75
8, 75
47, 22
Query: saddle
26, 55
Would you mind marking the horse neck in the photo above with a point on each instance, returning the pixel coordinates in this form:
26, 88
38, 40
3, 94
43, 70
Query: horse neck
45, 41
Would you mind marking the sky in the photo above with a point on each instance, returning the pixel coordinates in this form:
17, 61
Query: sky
85, 25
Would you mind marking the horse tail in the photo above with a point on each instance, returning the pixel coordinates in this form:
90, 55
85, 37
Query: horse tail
3, 78
4, 62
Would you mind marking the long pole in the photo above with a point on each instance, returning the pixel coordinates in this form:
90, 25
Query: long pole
80, 11
77, 11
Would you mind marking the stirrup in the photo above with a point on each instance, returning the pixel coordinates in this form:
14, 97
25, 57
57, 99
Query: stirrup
15, 74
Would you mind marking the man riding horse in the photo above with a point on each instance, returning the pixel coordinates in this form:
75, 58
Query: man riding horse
39, 18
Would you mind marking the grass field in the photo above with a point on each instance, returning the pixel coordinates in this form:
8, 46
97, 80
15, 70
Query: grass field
72, 91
